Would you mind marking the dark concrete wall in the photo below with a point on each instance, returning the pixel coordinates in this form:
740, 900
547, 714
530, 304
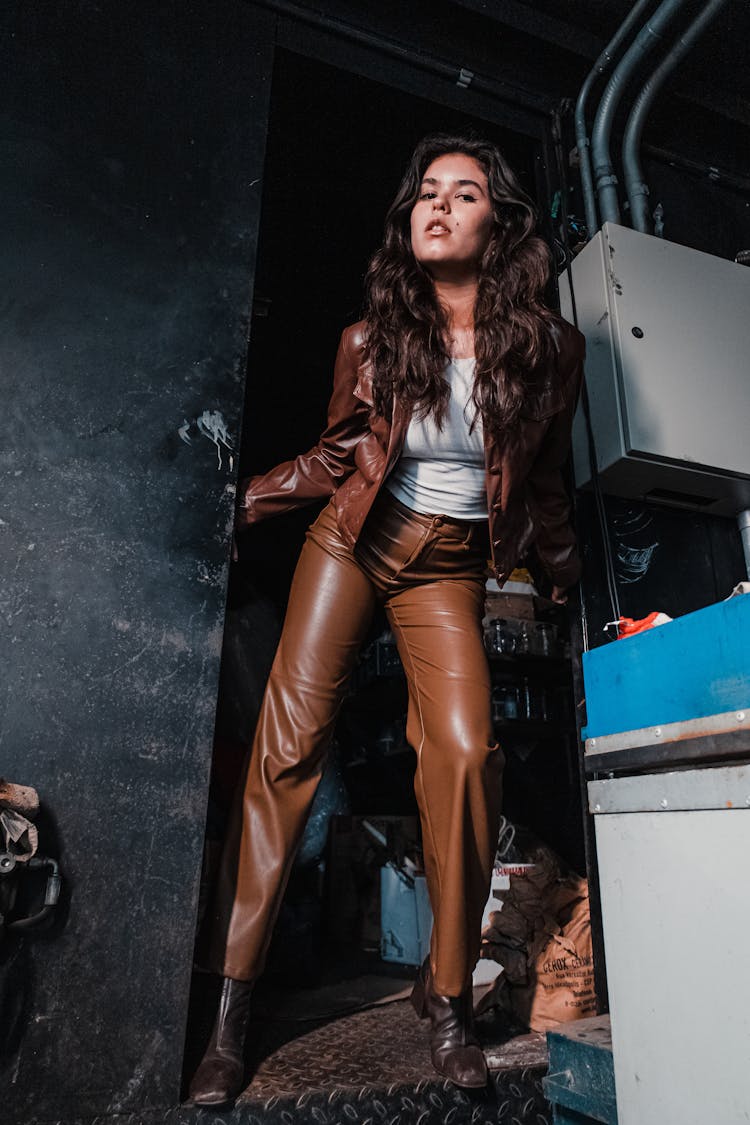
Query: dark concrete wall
134, 138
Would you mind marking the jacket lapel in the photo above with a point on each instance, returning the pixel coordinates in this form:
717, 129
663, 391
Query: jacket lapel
363, 386
400, 418
389, 433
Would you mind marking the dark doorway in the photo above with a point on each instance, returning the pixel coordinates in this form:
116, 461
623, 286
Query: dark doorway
337, 146
336, 149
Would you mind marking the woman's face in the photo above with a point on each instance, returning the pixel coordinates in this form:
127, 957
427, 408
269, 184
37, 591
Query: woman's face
451, 222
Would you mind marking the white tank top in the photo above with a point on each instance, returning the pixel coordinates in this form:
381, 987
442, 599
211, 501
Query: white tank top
441, 472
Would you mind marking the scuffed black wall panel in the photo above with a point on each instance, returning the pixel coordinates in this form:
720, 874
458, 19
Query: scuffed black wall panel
135, 138
668, 560
707, 214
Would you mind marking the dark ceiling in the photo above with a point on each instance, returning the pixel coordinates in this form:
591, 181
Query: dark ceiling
539, 52
715, 74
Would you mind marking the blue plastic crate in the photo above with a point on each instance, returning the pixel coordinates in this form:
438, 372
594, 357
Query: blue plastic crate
692, 667
580, 1085
405, 918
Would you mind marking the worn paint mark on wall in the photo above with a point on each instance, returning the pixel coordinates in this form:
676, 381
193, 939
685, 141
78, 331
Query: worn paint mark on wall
210, 424
634, 562
149, 1056
635, 547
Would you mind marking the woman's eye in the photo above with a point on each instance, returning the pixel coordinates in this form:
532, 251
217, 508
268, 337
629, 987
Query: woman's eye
427, 195
469, 198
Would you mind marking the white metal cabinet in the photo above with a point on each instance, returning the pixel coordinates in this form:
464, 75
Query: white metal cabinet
674, 862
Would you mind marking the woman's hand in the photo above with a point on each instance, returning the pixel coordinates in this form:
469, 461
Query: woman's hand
560, 595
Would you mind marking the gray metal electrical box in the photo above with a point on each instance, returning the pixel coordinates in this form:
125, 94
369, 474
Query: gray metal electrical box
667, 369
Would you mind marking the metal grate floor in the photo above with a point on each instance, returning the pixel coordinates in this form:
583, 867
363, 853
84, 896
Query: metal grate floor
372, 1067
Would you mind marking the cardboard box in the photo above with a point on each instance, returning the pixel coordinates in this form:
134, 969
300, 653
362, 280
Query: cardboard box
497, 604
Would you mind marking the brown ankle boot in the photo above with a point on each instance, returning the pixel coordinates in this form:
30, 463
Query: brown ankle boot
454, 1047
218, 1079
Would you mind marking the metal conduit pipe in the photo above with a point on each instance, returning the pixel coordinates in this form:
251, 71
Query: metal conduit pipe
600, 67
645, 41
635, 185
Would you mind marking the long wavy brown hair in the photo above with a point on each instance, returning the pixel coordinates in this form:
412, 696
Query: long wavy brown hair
407, 334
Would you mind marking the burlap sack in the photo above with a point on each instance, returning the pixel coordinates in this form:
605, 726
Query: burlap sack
542, 938
560, 985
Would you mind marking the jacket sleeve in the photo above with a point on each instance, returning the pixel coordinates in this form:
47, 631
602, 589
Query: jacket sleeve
317, 473
555, 540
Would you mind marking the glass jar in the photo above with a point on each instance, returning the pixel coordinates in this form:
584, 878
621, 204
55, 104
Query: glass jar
511, 703
526, 700
546, 636
499, 638
504, 703
523, 639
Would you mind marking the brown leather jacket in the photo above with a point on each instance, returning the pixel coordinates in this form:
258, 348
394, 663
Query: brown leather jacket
527, 499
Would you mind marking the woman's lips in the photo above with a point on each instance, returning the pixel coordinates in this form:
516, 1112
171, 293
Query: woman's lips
437, 229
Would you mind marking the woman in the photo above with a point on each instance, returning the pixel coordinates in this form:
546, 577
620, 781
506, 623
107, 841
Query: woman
452, 404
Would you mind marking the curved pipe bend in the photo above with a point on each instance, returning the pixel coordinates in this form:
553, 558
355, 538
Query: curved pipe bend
645, 41
635, 184
600, 67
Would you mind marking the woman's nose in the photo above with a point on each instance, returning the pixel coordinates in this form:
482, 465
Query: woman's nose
439, 204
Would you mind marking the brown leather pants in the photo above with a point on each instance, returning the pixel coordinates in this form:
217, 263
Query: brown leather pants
429, 574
